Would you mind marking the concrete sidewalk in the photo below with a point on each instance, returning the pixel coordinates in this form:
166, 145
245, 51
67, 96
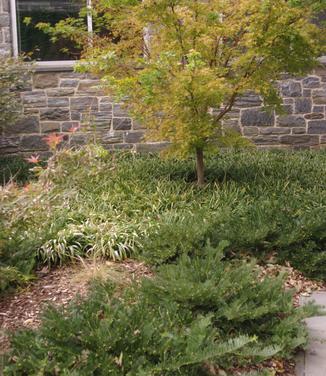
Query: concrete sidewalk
312, 362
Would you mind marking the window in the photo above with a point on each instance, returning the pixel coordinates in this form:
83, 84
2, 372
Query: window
28, 39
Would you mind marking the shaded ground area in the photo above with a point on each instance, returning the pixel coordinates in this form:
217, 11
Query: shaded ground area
59, 287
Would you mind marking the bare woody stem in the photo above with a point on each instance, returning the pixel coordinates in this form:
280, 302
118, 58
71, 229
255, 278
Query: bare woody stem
200, 167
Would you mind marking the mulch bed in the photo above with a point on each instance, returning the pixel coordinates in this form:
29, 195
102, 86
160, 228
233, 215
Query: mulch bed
59, 286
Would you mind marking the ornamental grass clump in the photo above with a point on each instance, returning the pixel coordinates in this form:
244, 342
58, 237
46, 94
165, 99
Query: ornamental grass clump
199, 316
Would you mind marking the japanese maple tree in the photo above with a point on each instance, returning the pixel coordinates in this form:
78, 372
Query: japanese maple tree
173, 61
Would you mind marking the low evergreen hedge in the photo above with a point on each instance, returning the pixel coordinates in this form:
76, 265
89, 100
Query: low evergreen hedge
197, 317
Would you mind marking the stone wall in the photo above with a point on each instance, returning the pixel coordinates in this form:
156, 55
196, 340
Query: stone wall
61, 102
5, 40
303, 125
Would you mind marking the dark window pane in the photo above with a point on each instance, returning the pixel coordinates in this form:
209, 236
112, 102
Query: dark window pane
34, 41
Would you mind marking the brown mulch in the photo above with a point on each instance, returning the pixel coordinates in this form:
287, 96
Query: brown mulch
58, 287
294, 281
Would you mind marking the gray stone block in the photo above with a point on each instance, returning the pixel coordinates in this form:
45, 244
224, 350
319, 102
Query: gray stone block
319, 96
291, 121
311, 82
249, 100
45, 80
31, 111
123, 124
288, 100
112, 138
299, 130
9, 145
66, 126
106, 104
134, 137
315, 116
291, 89
257, 117
231, 123
27, 124
318, 109
317, 127
299, 140
80, 139
83, 103
90, 87
303, 105
306, 93
98, 119
60, 92
266, 140
58, 102
50, 126
33, 143
233, 114
274, 131
55, 114
250, 131
75, 115
73, 75
72, 83
35, 98
287, 109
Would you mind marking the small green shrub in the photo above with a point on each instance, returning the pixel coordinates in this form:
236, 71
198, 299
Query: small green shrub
200, 314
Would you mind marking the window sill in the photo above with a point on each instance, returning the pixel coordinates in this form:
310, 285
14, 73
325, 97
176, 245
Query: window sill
55, 66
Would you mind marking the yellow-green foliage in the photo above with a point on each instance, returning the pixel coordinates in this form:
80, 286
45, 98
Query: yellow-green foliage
199, 55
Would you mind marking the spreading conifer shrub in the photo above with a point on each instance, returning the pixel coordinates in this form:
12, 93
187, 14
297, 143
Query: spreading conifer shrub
90, 202
197, 316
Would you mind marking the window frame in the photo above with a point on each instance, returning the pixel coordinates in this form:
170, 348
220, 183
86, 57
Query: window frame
45, 64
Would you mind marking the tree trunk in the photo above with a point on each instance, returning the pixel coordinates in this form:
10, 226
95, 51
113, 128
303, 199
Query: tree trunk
200, 167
